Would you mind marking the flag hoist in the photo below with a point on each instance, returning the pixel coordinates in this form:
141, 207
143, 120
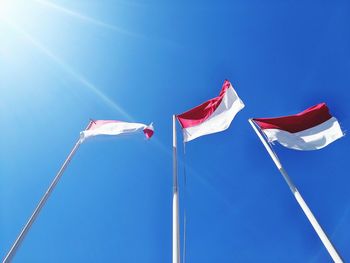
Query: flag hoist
212, 116
311, 129
94, 128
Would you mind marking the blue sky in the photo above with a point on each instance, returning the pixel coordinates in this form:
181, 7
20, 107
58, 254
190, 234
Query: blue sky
63, 62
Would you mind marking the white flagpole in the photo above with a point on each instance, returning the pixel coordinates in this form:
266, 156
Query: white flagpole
322, 235
176, 230
42, 202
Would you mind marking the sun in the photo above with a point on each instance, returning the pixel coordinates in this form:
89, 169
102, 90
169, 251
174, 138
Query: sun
4, 6
7, 8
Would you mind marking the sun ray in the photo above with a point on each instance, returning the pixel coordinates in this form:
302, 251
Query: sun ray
69, 70
85, 18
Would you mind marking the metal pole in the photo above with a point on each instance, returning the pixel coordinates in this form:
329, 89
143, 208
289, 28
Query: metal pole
320, 232
40, 205
176, 231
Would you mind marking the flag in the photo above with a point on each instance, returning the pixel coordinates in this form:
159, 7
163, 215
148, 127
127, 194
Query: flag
212, 116
112, 127
312, 129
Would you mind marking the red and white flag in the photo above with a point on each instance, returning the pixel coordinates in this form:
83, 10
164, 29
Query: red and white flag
312, 129
212, 116
112, 127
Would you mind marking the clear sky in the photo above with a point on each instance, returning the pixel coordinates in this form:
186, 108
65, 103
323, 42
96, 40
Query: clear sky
63, 62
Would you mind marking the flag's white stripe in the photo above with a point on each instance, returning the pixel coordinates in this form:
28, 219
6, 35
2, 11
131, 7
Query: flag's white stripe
311, 139
115, 128
220, 119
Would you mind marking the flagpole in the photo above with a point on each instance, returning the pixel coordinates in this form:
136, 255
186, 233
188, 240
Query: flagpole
176, 230
322, 235
42, 202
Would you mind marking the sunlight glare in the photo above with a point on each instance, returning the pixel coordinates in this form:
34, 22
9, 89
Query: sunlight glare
11, 15
12, 10
69, 70
86, 18
5, 8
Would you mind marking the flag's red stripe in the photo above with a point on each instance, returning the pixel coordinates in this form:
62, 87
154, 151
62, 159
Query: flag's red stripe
202, 112
148, 132
307, 119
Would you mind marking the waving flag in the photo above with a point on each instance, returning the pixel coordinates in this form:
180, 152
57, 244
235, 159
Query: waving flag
112, 127
311, 129
212, 116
